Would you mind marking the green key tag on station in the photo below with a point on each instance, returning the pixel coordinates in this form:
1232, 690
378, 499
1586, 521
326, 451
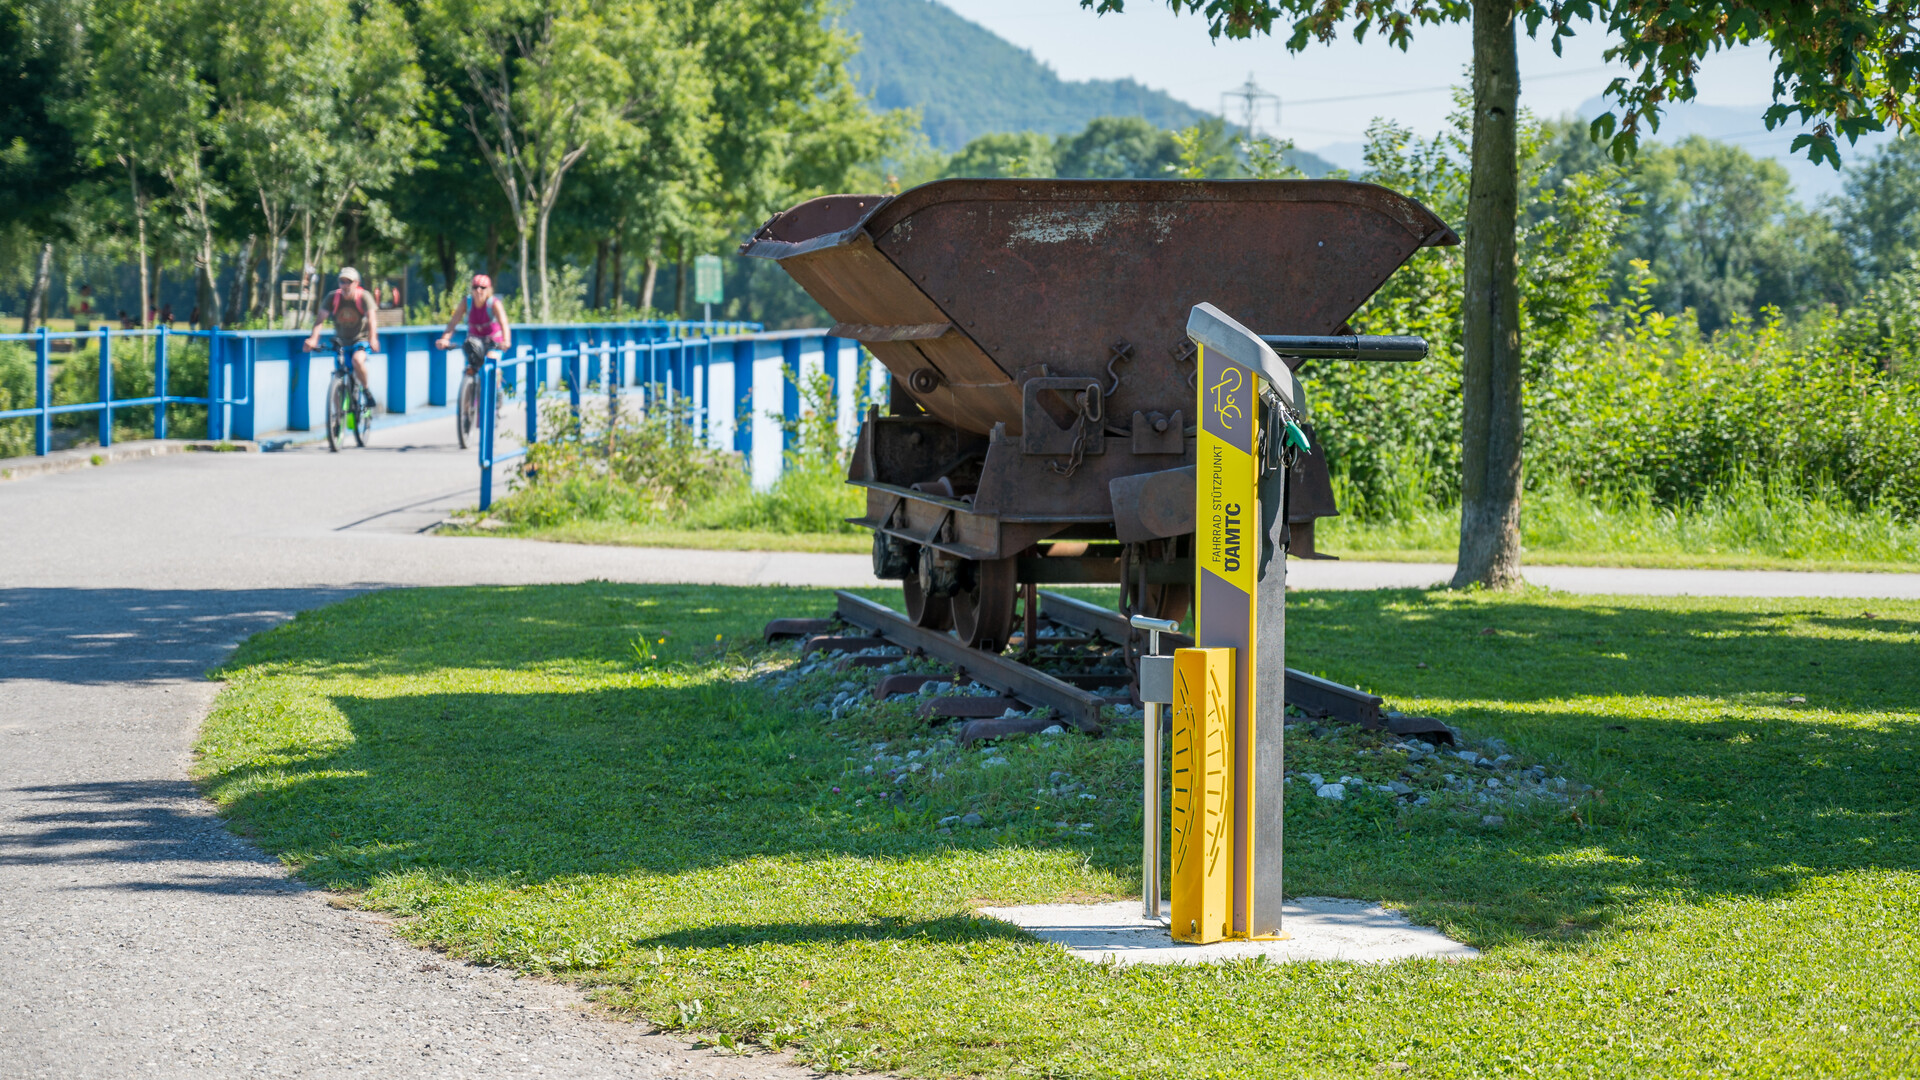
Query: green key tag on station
1296, 438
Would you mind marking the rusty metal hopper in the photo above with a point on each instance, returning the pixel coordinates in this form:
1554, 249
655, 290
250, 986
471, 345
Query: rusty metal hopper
1037, 428
964, 289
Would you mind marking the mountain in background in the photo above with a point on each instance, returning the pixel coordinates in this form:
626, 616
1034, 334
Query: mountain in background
1743, 126
1740, 125
968, 81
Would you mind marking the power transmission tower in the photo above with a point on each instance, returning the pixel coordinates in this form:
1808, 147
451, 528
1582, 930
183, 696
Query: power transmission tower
1252, 97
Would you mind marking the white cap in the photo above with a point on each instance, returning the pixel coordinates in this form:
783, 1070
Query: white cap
348, 273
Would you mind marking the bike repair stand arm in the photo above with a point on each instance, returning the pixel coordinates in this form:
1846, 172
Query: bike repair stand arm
1156, 692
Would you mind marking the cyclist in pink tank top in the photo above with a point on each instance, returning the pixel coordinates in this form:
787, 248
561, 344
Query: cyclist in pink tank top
487, 326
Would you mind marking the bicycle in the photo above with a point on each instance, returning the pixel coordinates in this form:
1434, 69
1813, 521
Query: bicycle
467, 404
349, 402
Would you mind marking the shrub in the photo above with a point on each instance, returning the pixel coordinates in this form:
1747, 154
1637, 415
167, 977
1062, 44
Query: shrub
812, 494
1626, 401
617, 463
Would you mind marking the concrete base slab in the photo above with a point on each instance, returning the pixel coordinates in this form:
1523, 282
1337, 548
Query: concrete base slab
1318, 928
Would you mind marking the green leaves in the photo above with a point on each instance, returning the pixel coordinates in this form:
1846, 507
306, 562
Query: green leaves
1850, 66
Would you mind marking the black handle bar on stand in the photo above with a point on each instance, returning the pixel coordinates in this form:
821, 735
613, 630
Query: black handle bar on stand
1348, 347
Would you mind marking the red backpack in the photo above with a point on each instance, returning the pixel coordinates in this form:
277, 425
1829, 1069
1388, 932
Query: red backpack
357, 294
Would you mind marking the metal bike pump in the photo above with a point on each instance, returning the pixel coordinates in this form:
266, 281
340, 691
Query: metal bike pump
1156, 693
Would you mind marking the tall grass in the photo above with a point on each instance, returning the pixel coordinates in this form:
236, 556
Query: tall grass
1749, 521
648, 469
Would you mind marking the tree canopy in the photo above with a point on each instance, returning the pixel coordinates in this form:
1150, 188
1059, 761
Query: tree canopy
443, 130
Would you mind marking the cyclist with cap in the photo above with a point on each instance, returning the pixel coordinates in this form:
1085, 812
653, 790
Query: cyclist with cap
487, 327
356, 325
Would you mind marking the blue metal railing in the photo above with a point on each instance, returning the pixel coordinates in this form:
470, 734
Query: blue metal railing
681, 369
263, 381
234, 355
44, 410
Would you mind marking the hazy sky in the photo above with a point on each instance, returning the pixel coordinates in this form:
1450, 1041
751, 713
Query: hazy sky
1151, 45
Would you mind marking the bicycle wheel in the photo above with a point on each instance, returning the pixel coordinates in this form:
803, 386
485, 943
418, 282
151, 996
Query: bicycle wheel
360, 414
336, 412
469, 408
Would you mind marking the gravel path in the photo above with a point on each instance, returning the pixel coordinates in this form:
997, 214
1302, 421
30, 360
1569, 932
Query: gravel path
138, 937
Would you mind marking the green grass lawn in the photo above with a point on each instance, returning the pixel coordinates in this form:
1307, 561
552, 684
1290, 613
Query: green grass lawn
603, 784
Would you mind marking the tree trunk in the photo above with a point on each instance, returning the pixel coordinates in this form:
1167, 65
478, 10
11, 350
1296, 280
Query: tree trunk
619, 278
546, 305
42, 277
647, 283
526, 279
146, 313
140, 227
241, 269
350, 243
599, 274
206, 294
1491, 412
260, 282
680, 280
443, 247
276, 256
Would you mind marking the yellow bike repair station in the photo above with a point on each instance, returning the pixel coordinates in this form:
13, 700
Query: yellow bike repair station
1227, 823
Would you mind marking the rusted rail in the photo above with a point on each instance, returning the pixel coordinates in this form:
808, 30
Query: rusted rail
1070, 703
1312, 694
1067, 695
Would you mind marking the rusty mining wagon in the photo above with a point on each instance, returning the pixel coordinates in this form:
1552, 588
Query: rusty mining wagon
1040, 426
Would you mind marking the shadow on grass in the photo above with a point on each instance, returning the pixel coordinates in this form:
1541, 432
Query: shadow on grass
540, 785
950, 930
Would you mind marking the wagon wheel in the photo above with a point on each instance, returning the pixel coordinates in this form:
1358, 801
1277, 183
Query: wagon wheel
983, 615
1167, 601
932, 612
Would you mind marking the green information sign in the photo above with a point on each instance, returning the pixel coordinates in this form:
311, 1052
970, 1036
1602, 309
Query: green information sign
706, 279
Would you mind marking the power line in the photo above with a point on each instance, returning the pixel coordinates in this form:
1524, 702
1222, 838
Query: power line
1524, 79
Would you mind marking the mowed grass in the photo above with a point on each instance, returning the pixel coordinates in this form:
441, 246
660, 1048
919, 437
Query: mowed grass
505, 770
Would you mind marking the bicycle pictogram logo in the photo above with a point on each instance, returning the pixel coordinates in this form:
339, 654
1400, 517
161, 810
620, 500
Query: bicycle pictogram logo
1226, 403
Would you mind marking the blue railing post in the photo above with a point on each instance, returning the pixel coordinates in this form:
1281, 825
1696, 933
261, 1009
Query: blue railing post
396, 374
299, 392
160, 385
240, 425
789, 392
216, 387
572, 366
487, 404
106, 387
436, 373
533, 395
743, 400
42, 394
830, 362
705, 388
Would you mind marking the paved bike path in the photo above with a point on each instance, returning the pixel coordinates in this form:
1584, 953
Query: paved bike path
139, 937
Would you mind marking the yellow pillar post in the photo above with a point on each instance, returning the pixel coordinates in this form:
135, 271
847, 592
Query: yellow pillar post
1202, 804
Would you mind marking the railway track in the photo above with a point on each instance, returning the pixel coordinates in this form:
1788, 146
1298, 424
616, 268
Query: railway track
1071, 659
